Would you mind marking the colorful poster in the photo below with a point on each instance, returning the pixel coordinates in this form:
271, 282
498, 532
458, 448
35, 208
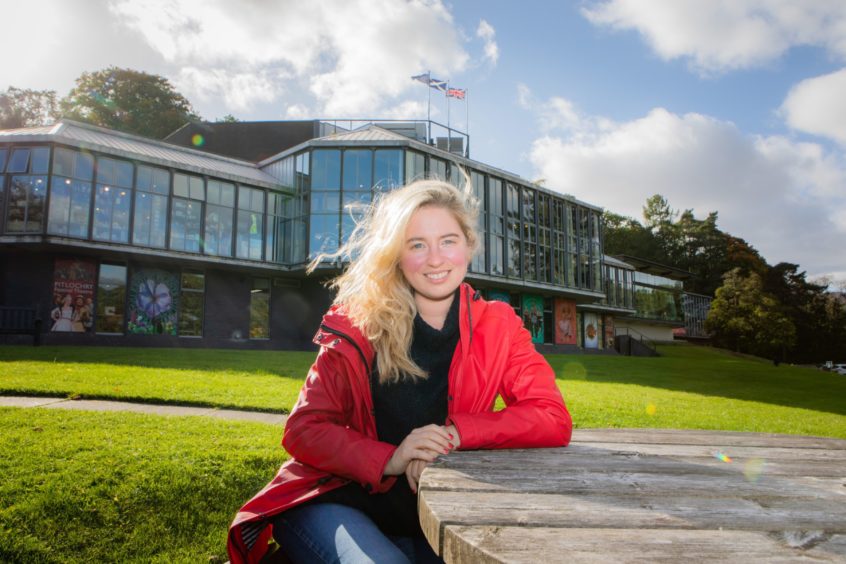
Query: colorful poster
533, 316
153, 296
565, 322
499, 295
73, 296
609, 331
591, 331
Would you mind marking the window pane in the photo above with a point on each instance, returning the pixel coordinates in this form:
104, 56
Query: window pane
111, 214
26, 204
3, 154
63, 161
437, 169
19, 161
388, 169
324, 234
218, 231
40, 160
357, 169
180, 185
111, 297
250, 230
155, 180
415, 166
185, 225
150, 220
70, 202
326, 169
260, 309
190, 320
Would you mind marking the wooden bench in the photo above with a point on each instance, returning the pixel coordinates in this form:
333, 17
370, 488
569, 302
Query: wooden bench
20, 321
641, 495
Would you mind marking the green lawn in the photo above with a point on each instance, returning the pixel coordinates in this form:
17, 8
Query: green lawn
687, 387
94, 487
124, 487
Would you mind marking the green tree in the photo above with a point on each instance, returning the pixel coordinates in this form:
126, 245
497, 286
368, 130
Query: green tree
21, 107
128, 100
745, 318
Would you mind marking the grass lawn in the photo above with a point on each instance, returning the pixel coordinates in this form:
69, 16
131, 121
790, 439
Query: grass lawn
93, 487
125, 487
687, 387
260, 380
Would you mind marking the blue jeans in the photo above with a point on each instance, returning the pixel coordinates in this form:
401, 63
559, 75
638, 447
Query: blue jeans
334, 533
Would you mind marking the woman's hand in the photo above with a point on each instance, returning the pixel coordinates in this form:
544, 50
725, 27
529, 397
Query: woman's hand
413, 471
454, 437
424, 443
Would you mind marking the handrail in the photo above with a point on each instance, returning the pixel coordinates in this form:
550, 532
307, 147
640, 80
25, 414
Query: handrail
640, 336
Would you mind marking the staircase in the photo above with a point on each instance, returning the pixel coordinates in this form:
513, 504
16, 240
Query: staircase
633, 343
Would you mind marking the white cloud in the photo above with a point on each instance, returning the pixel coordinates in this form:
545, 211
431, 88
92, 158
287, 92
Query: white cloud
784, 197
488, 35
353, 55
240, 91
720, 35
816, 106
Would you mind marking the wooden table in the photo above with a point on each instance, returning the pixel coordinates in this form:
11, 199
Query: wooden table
617, 495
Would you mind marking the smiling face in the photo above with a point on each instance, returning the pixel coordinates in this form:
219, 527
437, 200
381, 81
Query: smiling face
434, 257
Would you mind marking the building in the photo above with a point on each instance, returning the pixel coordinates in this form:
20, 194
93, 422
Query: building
118, 239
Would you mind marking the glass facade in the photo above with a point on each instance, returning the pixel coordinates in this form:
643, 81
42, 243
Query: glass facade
26, 171
657, 297
190, 317
111, 299
619, 291
260, 309
220, 206
152, 189
70, 193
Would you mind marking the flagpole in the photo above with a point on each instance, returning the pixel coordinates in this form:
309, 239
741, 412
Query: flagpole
429, 113
449, 127
467, 120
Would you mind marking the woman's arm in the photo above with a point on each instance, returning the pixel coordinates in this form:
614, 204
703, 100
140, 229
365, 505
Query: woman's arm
535, 414
324, 428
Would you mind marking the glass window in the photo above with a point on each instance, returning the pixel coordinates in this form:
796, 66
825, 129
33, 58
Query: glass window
191, 305
25, 213
19, 161
186, 216
326, 169
387, 173
150, 222
187, 186
415, 166
219, 218
111, 299
112, 200
260, 309
70, 201
250, 238
496, 225
437, 169
70, 193
323, 234
358, 165
325, 202
40, 160
479, 263
4, 153
277, 206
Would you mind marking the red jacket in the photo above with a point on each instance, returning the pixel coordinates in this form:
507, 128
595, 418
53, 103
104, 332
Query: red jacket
331, 432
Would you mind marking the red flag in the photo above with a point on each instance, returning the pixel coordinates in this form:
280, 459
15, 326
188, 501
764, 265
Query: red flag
456, 93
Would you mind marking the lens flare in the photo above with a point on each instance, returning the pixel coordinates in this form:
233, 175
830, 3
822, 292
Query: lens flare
651, 409
198, 140
722, 456
753, 469
574, 371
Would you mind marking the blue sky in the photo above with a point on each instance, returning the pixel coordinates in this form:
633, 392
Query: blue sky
735, 106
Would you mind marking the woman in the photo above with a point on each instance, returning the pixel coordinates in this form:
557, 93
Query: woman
410, 365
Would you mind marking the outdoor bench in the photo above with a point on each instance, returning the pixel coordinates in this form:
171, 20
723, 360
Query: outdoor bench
20, 321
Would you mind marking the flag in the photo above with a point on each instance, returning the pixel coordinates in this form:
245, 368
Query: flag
456, 93
424, 78
439, 85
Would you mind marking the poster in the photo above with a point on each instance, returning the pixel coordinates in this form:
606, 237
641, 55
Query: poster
73, 296
565, 322
153, 296
609, 331
591, 331
533, 316
499, 295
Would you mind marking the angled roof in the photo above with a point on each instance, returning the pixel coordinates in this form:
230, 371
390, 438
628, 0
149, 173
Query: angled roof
85, 136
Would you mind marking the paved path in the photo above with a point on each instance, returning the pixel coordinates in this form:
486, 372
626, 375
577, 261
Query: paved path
104, 405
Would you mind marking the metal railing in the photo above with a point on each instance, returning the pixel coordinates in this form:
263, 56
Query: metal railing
426, 131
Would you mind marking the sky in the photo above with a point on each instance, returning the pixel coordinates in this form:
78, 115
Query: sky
733, 106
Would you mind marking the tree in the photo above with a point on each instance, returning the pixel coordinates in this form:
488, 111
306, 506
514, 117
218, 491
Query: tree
27, 108
228, 118
128, 100
745, 318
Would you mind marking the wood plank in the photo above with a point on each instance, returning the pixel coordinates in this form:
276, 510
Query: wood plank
703, 437
485, 545
685, 478
763, 513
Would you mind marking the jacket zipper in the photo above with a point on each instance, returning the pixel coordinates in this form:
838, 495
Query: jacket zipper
343, 335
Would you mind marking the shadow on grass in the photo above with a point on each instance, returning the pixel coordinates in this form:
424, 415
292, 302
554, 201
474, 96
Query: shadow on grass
712, 372
287, 364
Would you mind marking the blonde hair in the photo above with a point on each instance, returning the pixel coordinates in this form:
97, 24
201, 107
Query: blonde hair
372, 290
